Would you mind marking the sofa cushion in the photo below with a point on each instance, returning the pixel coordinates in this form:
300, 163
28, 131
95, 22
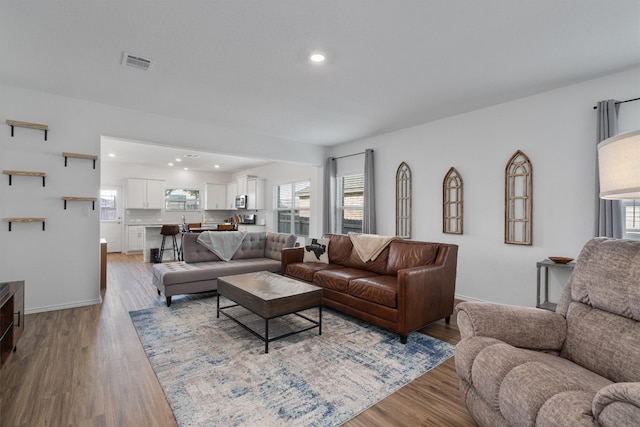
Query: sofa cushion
340, 248
494, 368
407, 254
194, 252
175, 273
526, 388
379, 289
276, 242
252, 246
338, 279
379, 265
603, 342
602, 275
305, 271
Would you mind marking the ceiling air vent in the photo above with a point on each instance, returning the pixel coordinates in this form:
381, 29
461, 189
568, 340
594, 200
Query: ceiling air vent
136, 61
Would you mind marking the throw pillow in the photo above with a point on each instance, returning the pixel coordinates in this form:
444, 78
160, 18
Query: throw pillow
317, 251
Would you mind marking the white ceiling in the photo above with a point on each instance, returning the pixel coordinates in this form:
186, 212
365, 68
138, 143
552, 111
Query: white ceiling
243, 64
141, 153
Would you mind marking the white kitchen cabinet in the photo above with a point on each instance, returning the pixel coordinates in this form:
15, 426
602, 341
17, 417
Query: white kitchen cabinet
145, 194
232, 192
256, 193
215, 196
243, 182
135, 238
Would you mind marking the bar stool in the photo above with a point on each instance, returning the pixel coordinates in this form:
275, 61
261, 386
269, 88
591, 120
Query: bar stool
170, 230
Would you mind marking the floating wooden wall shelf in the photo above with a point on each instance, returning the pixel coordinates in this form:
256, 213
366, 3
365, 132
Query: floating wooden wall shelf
15, 123
80, 156
10, 220
24, 173
79, 199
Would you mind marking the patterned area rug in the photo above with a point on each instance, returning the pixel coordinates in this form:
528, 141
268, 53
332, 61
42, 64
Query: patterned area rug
214, 373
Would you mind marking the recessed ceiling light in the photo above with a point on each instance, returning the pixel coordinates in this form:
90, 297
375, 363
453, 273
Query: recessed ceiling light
317, 58
216, 166
186, 169
170, 164
111, 155
178, 159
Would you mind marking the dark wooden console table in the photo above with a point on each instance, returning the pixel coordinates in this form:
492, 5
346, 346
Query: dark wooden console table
11, 316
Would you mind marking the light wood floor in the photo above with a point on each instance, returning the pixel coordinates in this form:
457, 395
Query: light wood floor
85, 367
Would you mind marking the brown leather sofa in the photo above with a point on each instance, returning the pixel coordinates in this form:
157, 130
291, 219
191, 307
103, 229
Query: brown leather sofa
409, 285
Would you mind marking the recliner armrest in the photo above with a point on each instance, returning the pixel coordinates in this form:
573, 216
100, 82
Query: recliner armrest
617, 404
524, 327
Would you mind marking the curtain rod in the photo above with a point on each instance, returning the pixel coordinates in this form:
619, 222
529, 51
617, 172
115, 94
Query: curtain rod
620, 102
348, 155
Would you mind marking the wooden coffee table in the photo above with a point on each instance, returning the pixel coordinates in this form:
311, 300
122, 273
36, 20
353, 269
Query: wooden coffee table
270, 295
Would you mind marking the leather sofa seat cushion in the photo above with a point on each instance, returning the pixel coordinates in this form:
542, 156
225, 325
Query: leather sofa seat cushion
379, 289
406, 254
306, 270
339, 279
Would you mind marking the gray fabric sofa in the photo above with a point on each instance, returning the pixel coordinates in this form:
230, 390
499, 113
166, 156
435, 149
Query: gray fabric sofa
579, 366
259, 251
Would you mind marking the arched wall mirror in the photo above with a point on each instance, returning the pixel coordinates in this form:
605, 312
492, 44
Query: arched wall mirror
452, 202
403, 201
518, 200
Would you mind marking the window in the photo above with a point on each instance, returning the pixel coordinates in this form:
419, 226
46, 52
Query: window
351, 203
180, 199
293, 206
631, 218
108, 205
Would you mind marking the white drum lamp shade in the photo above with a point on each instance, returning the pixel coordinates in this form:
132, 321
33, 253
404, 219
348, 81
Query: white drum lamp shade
619, 166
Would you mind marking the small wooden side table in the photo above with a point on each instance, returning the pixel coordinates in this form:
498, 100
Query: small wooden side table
546, 265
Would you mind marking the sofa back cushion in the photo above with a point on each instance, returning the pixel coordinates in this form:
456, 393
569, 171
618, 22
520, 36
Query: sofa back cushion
606, 276
253, 246
193, 251
276, 242
602, 342
379, 265
340, 248
406, 254
603, 332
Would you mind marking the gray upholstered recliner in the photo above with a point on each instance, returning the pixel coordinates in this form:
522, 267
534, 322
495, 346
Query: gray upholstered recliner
579, 366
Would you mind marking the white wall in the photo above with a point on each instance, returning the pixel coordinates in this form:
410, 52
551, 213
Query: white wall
556, 129
60, 266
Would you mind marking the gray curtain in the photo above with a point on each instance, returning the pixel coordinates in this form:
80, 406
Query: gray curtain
608, 213
369, 214
329, 196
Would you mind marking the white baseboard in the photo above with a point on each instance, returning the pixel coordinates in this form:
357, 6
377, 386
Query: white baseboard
466, 298
63, 306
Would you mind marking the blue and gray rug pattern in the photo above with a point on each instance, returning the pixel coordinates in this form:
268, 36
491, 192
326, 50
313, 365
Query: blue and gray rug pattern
214, 373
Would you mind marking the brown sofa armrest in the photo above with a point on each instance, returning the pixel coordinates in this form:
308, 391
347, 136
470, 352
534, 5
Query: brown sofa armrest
617, 404
424, 296
290, 256
524, 327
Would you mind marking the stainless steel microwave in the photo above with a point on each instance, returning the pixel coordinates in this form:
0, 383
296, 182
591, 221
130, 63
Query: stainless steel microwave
241, 202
